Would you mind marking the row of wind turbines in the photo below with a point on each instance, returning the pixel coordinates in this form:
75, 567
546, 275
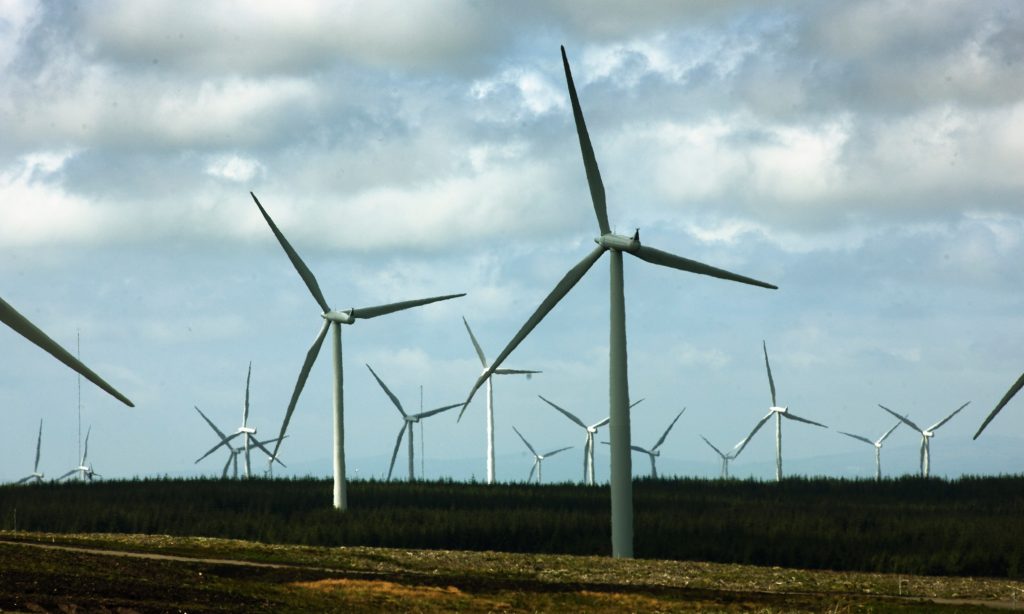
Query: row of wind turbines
619, 404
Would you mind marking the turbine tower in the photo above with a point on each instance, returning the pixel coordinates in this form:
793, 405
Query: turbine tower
84, 471
1006, 399
588, 448
615, 244
926, 434
537, 458
35, 476
28, 330
736, 449
878, 448
333, 319
408, 421
653, 452
780, 412
490, 398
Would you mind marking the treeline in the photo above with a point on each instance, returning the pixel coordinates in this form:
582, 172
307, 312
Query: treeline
970, 526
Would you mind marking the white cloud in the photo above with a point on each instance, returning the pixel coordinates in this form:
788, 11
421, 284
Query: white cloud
234, 168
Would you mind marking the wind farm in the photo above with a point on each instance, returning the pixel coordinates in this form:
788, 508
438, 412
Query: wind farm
851, 173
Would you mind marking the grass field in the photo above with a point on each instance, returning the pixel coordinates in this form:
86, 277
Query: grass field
88, 572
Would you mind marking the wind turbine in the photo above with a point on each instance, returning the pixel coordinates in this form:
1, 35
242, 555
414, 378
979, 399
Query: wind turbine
28, 330
537, 458
35, 476
588, 448
926, 434
490, 398
1006, 399
248, 435
878, 448
779, 413
615, 244
408, 420
736, 449
84, 471
333, 319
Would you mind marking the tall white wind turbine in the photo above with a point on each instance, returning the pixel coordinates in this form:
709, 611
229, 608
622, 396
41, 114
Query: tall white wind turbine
84, 471
926, 434
878, 448
588, 448
490, 397
615, 244
780, 412
654, 452
1002, 403
333, 319
408, 421
28, 330
537, 458
35, 476
736, 449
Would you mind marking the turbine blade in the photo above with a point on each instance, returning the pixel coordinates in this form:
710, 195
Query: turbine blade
532, 451
516, 372
561, 289
903, 419
223, 442
28, 330
300, 266
432, 412
639, 449
366, 313
598, 425
768, 366
476, 345
564, 412
947, 418
532, 469
712, 446
39, 443
398, 444
245, 407
889, 432
589, 159
549, 454
388, 392
212, 425
635, 403
85, 451
224, 474
311, 355
259, 444
23, 480
67, 475
743, 442
656, 256
661, 440
1006, 399
858, 437
799, 419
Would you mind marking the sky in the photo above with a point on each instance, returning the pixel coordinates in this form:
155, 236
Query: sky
864, 156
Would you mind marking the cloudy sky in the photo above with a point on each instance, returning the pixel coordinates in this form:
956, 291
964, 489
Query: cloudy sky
866, 157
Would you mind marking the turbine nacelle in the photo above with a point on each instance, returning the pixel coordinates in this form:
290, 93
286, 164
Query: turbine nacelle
247, 429
621, 243
341, 317
778, 410
927, 434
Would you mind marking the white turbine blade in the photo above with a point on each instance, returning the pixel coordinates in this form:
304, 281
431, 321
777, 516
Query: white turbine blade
792, 416
903, 419
640, 449
561, 289
398, 444
270, 441
947, 418
300, 266
720, 453
601, 423
85, 451
564, 412
224, 474
28, 330
67, 475
476, 345
427, 414
39, 443
532, 469
549, 454
656, 256
589, 159
260, 445
768, 367
532, 451
504, 371
245, 407
635, 403
1006, 399
889, 432
858, 437
661, 440
365, 313
743, 442
223, 442
387, 391
311, 355
212, 425
23, 480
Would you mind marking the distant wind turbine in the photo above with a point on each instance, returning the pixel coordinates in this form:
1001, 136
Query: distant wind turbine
333, 319
615, 244
408, 420
653, 452
490, 397
926, 434
28, 330
878, 448
1002, 403
84, 471
537, 458
35, 475
780, 412
588, 448
736, 449
225, 440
